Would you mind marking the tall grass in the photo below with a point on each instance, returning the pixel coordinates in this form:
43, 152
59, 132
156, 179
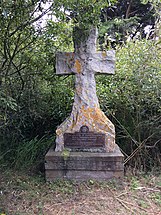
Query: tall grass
28, 154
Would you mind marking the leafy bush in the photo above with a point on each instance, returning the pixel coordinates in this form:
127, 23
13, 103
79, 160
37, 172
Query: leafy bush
33, 101
39, 112
133, 98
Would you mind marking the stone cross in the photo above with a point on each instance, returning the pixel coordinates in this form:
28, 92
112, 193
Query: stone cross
84, 63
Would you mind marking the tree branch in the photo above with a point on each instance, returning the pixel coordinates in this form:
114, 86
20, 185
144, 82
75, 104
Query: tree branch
128, 10
25, 24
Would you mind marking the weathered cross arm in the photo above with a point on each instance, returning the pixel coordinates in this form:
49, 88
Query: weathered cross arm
100, 63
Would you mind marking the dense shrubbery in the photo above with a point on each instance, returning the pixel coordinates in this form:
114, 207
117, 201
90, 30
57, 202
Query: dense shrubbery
36, 115
133, 99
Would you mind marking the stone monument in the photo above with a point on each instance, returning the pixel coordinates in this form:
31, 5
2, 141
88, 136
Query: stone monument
85, 141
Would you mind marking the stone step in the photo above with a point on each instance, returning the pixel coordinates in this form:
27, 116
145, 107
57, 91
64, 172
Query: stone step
82, 166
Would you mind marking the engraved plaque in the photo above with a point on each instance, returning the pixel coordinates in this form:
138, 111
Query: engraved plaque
84, 139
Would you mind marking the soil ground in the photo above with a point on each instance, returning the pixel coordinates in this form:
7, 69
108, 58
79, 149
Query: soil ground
21, 194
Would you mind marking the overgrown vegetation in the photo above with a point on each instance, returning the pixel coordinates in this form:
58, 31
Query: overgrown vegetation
34, 101
132, 97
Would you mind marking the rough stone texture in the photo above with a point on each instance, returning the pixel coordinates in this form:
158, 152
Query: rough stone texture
84, 165
85, 62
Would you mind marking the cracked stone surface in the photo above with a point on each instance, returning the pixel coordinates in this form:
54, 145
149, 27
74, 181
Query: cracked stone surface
84, 63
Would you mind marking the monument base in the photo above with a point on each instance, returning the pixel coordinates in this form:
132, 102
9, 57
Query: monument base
81, 166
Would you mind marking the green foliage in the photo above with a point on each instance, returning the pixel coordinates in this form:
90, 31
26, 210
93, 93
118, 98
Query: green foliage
33, 101
157, 198
154, 2
84, 13
132, 97
134, 183
31, 153
40, 110
16, 44
116, 30
62, 186
27, 154
127, 20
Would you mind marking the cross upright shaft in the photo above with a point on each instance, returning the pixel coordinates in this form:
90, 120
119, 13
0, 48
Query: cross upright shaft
85, 62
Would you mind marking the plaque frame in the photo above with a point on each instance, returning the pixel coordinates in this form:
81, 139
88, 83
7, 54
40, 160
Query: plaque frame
84, 139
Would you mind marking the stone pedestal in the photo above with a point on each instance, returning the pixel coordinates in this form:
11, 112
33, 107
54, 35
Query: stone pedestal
81, 166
